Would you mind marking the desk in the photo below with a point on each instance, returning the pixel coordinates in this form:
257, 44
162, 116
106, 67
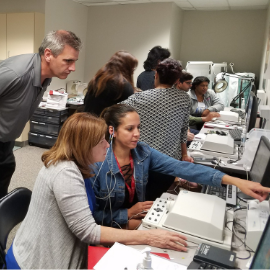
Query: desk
236, 170
184, 258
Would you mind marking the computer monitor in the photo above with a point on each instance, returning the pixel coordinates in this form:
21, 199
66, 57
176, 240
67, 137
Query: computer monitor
252, 109
260, 169
261, 259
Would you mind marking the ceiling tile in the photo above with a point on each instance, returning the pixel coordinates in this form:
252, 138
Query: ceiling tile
158, 1
248, 7
132, 2
188, 8
191, 4
244, 3
183, 4
208, 3
90, 4
212, 8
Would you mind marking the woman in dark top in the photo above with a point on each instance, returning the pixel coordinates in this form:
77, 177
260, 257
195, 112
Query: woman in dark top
146, 79
113, 83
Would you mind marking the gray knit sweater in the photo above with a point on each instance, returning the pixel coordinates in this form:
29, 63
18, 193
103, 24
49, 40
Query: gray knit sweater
59, 223
164, 116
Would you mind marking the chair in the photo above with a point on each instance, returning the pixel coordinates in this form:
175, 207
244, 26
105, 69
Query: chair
13, 209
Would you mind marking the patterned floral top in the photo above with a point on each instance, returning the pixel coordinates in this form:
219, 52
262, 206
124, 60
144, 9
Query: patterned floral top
164, 117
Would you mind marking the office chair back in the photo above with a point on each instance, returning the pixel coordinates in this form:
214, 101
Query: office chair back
13, 209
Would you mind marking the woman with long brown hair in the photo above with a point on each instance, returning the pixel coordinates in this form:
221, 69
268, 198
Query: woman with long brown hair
59, 224
113, 83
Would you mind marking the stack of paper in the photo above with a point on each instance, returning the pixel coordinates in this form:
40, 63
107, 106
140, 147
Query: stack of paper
121, 257
56, 100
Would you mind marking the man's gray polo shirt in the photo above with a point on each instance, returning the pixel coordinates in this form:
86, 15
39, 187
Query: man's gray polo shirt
20, 93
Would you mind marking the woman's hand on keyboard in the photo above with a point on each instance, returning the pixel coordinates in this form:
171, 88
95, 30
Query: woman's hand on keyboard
210, 116
166, 239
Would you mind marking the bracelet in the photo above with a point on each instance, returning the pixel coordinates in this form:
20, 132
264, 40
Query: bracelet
184, 156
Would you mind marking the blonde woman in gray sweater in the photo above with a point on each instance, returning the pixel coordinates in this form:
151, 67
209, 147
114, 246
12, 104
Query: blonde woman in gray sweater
59, 224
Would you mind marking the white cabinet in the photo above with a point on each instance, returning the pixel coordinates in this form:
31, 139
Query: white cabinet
3, 36
20, 33
23, 33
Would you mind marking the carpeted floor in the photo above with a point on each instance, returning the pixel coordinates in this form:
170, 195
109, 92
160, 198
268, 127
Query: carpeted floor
28, 165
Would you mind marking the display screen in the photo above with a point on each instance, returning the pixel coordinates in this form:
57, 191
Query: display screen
249, 109
258, 172
261, 258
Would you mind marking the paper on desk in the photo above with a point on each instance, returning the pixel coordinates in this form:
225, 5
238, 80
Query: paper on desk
200, 136
120, 257
56, 100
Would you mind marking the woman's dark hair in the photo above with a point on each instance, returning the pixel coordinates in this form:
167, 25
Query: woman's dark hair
155, 55
199, 80
169, 70
113, 115
185, 76
118, 69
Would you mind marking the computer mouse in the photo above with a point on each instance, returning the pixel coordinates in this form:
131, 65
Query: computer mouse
218, 132
222, 133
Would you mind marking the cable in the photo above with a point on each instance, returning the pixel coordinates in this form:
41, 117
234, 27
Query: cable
233, 104
174, 190
241, 208
111, 141
108, 195
246, 257
138, 226
245, 201
243, 242
136, 215
117, 224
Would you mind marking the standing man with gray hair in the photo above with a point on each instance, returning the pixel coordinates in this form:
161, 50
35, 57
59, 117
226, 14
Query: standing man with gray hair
23, 81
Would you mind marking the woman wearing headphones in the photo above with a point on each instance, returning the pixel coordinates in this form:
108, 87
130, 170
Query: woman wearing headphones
59, 223
119, 182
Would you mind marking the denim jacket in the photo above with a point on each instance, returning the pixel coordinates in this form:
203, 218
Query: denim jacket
211, 101
109, 185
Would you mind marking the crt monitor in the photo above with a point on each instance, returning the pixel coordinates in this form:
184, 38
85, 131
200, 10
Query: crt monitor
252, 109
261, 259
260, 169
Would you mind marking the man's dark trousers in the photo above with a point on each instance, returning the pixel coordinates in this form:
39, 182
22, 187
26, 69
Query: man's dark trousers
7, 166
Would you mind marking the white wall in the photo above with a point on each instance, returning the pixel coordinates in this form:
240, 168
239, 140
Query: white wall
68, 15
225, 36
176, 31
135, 28
13, 6
265, 83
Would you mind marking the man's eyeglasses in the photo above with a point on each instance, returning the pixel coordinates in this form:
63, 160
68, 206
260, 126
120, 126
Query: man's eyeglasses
188, 83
